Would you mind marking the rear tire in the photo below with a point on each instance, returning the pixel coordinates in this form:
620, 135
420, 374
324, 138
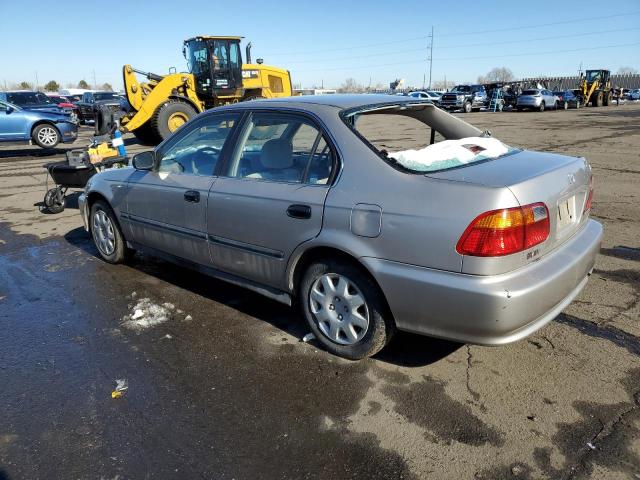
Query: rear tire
328, 292
171, 116
597, 100
46, 135
106, 234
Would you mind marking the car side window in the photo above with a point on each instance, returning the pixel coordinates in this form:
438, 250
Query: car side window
282, 148
196, 150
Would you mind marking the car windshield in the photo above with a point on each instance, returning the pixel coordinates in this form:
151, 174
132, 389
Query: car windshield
105, 96
530, 92
420, 139
28, 98
434, 94
461, 89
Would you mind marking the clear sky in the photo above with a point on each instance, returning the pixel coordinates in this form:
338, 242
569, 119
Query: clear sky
320, 42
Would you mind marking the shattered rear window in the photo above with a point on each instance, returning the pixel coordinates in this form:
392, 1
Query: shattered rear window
406, 142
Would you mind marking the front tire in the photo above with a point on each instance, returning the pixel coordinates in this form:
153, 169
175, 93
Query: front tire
467, 107
541, 107
345, 309
46, 135
171, 116
106, 233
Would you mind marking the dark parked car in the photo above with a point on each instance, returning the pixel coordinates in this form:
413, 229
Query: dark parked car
91, 100
567, 99
466, 239
45, 128
30, 100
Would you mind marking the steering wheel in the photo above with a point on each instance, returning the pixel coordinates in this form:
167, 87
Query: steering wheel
210, 150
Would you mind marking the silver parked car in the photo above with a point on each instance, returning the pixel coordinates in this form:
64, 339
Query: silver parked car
465, 239
538, 99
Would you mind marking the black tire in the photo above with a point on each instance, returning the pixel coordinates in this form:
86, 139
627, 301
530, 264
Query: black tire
120, 251
54, 200
46, 135
541, 107
160, 121
381, 326
597, 100
467, 107
500, 106
578, 103
146, 135
565, 105
606, 100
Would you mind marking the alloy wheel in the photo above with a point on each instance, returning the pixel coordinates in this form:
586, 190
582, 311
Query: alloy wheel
48, 136
103, 233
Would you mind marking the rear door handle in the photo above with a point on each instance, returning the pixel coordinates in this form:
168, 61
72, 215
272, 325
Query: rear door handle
192, 196
299, 211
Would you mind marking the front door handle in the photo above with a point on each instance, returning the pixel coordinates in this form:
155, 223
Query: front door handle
299, 211
192, 196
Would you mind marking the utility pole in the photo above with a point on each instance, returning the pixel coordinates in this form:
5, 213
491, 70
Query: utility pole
424, 76
95, 85
36, 80
430, 56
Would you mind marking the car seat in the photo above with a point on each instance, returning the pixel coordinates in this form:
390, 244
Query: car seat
276, 162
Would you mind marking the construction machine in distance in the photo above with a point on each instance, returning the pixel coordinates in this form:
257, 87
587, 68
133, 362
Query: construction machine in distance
216, 76
595, 88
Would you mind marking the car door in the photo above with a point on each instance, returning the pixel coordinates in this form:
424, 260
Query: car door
13, 123
167, 206
271, 196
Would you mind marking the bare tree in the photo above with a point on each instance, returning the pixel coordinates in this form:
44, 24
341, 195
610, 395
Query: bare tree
626, 71
350, 86
442, 85
497, 74
51, 86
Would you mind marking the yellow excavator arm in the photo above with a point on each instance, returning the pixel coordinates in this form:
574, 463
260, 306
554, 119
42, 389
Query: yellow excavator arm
145, 98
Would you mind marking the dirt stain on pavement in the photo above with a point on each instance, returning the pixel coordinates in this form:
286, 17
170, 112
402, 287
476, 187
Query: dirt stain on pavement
427, 405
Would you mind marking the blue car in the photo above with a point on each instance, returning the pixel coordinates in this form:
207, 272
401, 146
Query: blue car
45, 128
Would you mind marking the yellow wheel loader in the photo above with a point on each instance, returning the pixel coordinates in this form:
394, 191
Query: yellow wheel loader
216, 76
595, 88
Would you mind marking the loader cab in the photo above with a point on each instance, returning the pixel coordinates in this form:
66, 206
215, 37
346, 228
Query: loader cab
601, 76
216, 64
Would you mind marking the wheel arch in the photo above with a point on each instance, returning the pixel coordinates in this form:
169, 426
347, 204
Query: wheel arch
92, 198
37, 123
303, 259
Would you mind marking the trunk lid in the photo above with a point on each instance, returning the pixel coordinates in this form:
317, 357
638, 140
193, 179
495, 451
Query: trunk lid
560, 181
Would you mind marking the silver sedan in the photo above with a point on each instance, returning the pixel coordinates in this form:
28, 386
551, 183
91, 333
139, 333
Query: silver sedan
538, 99
307, 199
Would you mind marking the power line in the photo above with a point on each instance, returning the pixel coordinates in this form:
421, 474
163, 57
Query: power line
475, 57
413, 50
424, 37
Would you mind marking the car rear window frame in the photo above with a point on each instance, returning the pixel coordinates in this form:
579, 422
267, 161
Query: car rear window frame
346, 114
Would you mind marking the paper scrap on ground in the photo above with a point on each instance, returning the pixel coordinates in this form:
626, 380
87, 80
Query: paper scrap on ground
121, 388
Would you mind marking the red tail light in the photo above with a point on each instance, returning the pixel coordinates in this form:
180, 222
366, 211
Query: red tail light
507, 231
587, 205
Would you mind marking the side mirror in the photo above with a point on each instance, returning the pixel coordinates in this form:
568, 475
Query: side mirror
144, 160
10, 110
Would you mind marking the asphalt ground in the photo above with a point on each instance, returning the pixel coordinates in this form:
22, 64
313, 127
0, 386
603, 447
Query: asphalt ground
224, 387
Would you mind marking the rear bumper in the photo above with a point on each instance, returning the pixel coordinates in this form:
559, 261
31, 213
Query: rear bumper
68, 132
488, 310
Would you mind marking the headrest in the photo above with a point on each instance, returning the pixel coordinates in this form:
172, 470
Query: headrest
277, 153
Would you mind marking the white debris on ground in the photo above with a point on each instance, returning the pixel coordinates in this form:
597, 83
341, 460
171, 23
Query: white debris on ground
147, 314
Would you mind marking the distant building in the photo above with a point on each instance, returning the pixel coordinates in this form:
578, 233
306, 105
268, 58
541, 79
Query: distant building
313, 91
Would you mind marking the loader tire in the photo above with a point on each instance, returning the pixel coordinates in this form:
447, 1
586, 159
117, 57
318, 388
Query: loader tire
146, 135
171, 116
606, 99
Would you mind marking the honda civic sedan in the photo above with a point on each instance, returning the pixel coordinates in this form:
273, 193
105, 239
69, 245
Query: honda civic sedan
316, 202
